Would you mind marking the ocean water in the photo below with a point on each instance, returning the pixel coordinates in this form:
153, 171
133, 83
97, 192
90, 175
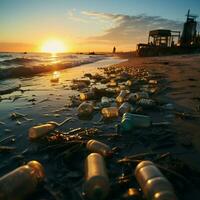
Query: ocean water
21, 64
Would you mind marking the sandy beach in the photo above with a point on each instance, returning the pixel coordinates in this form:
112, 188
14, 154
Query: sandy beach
40, 101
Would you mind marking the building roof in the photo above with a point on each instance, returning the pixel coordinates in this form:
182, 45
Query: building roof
160, 32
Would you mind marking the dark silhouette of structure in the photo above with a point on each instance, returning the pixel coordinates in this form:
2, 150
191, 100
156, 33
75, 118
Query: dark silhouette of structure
166, 42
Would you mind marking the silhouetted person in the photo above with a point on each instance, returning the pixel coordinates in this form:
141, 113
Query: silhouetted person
172, 44
114, 49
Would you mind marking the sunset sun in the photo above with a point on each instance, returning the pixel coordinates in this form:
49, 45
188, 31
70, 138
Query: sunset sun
54, 46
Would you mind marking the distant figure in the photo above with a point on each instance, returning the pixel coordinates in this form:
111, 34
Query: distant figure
172, 44
114, 49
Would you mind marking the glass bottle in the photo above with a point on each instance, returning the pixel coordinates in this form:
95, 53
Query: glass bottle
96, 185
21, 182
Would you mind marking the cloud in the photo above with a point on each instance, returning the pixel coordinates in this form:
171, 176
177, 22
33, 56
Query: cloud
73, 16
127, 30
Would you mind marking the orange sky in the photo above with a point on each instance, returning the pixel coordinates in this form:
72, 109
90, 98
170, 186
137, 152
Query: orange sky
84, 25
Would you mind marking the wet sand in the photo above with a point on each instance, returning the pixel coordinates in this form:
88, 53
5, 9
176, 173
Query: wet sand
44, 101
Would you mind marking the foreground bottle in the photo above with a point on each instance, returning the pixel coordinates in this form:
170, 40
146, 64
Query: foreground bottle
21, 182
153, 183
99, 147
96, 179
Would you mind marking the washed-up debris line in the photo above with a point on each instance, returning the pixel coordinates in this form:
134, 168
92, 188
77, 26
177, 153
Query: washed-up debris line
95, 163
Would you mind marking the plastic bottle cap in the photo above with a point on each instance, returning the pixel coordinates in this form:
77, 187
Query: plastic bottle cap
38, 169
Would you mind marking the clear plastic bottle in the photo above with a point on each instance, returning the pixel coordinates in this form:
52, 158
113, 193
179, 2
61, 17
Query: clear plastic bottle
125, 108
110, 112
105, 101
129, 121
121, 97
37, 132
96, 185
99, 147
21, 182
153, 183
85, 109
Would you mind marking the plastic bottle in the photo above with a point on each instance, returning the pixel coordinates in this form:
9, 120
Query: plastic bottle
128, 83
87, 95
133, 97
129, 121
96, 185
125, 108
120, 98
85, 109
105, 102
110, 112
21, 182
153, 183
152, 81
146, 102
37, 132
99, 147
112, 83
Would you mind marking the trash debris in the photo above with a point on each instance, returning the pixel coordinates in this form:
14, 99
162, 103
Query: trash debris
105, 102
130, 121
37, 132
133, 97
121, 97
153, 183
99, 147
21, 182
96, 184
110, 112
85, 109
125, 108
147, 103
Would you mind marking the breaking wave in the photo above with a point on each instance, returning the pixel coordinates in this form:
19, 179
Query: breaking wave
30, 70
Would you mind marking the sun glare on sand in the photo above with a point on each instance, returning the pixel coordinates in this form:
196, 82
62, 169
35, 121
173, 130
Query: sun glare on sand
54, 46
